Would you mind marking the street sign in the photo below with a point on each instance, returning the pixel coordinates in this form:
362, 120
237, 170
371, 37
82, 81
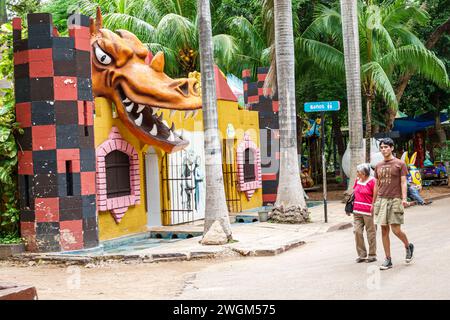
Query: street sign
322, 106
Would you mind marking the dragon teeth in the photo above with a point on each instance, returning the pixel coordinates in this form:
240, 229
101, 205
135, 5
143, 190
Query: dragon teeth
154, 110
130, 107
138, 121
195, 113
154, 130
141, 107
165, 123
188, 114
171, 137
172, 112
127, 100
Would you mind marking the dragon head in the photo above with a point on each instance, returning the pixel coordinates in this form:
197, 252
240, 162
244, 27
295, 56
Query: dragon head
139, 89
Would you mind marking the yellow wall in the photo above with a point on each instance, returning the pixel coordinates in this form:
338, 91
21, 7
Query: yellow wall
135, 219
242, 121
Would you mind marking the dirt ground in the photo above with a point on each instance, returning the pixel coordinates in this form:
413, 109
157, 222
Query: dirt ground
124, 281
337, 193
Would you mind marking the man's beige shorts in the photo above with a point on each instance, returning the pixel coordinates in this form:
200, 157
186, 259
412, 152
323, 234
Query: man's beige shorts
388, 211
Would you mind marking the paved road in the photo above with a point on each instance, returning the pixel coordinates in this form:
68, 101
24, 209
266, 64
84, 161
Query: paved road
324, 267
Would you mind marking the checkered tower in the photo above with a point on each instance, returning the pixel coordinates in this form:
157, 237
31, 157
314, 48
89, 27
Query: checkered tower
268, 129
54, 105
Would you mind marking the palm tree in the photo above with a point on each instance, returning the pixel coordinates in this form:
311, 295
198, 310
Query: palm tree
388, 47
353, 82
216, 211
290, 205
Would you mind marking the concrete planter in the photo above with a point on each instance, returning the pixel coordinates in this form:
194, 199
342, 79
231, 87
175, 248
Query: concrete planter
7, 250
263, 216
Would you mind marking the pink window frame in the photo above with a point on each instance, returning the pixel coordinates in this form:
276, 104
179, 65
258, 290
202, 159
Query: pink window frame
118, 206
248, 187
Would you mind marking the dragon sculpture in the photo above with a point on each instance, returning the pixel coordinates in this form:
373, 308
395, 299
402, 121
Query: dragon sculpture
122, 73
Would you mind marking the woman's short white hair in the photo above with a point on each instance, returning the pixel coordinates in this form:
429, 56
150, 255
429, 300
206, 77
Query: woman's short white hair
364, 168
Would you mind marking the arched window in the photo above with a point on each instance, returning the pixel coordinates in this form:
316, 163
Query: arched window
117, 174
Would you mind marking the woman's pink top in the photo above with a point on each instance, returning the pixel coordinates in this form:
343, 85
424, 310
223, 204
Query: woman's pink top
363, 196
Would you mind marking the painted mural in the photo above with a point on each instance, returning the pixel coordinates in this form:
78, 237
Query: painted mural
187, 180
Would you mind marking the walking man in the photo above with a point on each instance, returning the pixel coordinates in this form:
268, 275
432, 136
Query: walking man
390, 199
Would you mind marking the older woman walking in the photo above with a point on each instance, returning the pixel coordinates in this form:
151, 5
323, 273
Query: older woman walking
362, 216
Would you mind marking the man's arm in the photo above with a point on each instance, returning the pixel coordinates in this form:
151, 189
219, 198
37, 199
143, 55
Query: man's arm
404, 191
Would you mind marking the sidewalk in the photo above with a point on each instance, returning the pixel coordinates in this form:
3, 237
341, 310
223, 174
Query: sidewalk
252, 239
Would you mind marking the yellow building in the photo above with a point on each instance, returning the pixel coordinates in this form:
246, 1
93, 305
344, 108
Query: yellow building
169, 188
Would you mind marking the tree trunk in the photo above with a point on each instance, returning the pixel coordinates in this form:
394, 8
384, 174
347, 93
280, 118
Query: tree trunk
403, 82
299, 135
349, 15
215, 206
290, 206
368, 127
339, 139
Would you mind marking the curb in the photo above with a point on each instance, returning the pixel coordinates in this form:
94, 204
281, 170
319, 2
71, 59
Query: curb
340, 226
439, 197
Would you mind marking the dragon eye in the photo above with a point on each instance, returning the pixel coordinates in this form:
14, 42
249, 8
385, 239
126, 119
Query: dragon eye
102, 57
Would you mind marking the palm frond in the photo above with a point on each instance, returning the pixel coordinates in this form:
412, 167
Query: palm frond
329, 59
400, 13
175, 31
243, 29
327, 23
406, 37
372, 72
417, 60
225, 50
143, 30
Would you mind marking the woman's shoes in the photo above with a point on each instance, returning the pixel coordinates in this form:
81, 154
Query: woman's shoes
371, 259
359, 260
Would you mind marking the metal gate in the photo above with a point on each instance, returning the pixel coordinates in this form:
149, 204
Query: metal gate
178, 188
230, 180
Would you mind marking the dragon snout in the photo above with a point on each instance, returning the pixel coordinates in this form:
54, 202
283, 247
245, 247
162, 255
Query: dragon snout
187, 87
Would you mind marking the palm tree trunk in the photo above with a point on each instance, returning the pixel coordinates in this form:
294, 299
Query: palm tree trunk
353, 81
368, 127
339, 139
290, 206
215, 207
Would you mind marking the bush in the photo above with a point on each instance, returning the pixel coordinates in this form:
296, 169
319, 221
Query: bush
9, 209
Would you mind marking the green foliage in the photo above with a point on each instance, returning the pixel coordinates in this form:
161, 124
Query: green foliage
171, 26
388, 46
9, 212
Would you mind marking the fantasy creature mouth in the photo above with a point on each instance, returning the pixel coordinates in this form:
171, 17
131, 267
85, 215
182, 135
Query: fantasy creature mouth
148, 119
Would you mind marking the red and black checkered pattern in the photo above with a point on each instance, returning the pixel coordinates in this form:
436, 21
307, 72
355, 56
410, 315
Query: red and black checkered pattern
54, 105
268, 124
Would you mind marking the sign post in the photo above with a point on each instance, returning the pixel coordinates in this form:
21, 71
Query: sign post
323, 107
